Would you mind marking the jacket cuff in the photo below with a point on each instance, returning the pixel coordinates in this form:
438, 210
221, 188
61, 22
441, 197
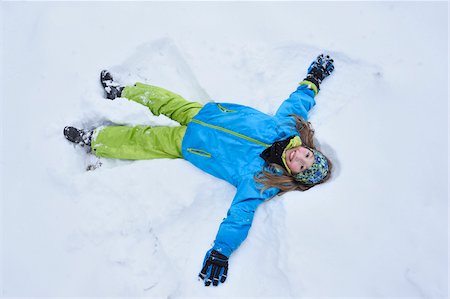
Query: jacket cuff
310, 85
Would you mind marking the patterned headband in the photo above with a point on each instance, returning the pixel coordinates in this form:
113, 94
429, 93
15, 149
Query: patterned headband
316, 172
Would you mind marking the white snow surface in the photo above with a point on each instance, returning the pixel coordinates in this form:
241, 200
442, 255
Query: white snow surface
378, 229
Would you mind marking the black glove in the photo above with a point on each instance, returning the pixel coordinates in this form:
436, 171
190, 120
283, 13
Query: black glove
215, 268
319, 69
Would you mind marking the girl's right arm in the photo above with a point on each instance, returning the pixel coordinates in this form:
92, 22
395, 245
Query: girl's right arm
301, 101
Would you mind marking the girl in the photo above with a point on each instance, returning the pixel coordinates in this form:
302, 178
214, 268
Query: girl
261, 155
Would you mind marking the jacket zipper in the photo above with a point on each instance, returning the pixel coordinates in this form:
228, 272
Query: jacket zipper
231, 132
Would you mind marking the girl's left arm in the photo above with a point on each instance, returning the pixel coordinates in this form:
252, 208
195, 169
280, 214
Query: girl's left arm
235, 227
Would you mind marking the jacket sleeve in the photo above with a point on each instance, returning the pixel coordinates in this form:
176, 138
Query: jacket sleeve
235, 227
299, 102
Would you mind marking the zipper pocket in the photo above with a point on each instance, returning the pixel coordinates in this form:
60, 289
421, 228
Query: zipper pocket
199, 152
223, 109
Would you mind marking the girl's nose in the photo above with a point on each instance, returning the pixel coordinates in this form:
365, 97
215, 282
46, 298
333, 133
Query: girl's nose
302, 159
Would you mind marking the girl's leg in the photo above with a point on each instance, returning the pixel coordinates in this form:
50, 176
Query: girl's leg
138, 142
160, 100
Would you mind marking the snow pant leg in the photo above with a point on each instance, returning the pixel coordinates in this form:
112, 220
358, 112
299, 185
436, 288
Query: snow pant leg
138, 142
162, 101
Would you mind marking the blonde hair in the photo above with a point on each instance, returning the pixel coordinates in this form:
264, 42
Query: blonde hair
276, 176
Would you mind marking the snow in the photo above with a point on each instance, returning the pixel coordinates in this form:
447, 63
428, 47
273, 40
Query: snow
379, 228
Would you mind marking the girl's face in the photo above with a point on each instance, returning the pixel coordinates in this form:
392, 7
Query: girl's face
299, 159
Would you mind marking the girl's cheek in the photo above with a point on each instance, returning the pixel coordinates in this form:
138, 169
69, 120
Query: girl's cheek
293, 167
289, 165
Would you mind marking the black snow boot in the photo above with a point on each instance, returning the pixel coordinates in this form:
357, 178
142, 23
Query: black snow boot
113, 89
77, 136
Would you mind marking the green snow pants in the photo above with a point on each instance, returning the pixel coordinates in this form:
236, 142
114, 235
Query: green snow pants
146, 142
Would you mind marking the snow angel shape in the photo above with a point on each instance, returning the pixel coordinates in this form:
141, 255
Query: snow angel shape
261, 155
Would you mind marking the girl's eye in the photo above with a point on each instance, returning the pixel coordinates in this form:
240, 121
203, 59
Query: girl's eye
301, 167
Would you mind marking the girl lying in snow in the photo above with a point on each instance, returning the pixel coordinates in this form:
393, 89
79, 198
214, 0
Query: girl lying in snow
261, 155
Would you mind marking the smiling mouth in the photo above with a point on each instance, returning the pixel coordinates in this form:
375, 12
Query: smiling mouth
291, 156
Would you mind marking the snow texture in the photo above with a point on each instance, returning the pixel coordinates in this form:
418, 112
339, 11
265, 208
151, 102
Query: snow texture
141, 228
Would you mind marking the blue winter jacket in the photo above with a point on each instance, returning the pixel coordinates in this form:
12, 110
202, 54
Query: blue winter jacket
225, 140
